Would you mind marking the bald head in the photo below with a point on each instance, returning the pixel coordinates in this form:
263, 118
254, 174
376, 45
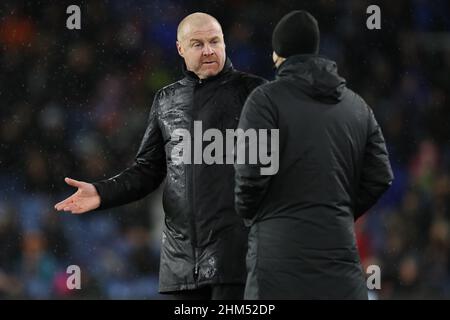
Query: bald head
200, 43
196, 21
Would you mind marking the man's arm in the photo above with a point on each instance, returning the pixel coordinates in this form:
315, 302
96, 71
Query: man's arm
251, 186
146, 173
376, 174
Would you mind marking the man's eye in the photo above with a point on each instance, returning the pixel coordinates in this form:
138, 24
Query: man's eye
196, 45
215, 41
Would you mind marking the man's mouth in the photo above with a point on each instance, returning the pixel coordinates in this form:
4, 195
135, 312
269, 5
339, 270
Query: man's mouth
209, 62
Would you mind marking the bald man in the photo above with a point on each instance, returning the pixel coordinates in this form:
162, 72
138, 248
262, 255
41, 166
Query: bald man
204, 241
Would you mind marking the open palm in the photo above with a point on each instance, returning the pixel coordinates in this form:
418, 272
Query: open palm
85, 199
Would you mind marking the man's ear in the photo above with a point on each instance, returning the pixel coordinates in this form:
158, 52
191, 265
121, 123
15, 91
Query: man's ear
274, 57
277, 60
180, 49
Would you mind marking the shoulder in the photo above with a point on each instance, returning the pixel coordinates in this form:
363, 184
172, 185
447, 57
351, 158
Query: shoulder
248, 77
163, 95
358, 103
169, 89
266, 89
250, 81
168, 92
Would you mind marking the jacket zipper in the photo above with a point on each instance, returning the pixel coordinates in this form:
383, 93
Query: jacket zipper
194, 234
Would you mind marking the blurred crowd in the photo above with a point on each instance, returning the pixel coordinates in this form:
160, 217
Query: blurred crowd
75, 102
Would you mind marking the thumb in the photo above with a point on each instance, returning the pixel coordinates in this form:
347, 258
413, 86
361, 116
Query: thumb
73, 183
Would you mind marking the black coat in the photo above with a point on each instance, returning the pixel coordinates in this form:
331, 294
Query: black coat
204, 241
333, 166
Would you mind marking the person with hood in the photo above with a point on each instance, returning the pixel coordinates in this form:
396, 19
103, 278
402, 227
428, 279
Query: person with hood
333, 166
204, 241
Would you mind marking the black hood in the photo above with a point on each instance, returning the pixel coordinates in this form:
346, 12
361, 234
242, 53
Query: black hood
316, 76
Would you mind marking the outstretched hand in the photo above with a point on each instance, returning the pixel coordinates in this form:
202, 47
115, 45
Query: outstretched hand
85, 199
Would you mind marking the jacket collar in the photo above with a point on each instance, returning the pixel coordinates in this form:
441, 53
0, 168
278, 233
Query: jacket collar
191, 77
315, 75
295, 60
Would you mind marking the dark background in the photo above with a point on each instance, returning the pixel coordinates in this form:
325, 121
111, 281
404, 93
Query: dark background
75, 103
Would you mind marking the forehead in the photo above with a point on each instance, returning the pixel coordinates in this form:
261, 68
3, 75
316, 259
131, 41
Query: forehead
205, 31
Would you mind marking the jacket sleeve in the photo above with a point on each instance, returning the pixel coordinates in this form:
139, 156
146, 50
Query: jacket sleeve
144, 175
250, 185
376, 175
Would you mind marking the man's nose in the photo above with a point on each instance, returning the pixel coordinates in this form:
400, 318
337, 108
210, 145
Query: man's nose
207, 50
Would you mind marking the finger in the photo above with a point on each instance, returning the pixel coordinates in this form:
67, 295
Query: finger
73, 183
62, 204
74, 209
69, 207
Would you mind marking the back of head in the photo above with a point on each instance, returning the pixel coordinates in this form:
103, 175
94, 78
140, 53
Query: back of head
296, 38
296, 33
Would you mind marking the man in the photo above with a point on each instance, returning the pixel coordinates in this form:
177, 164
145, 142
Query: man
333, 166
204, 241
